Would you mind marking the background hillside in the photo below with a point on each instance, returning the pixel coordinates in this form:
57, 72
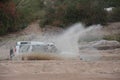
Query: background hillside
15, 15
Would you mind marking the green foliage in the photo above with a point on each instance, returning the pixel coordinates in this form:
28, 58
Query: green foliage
8, 17
29, 8
66, 12
108, 3
17, 14
115, 15
3, 1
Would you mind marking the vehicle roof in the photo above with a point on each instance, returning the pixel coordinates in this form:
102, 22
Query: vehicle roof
33, 43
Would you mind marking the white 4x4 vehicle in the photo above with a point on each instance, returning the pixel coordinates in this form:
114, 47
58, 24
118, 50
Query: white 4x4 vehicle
34, 46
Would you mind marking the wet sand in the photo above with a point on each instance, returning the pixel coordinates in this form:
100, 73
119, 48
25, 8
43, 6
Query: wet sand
59, 70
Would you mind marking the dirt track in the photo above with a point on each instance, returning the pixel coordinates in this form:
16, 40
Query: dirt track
59, 70
107, 68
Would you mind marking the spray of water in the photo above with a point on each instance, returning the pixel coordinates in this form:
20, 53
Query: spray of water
69, 41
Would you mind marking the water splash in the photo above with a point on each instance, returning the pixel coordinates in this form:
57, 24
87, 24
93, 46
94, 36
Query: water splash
69, 41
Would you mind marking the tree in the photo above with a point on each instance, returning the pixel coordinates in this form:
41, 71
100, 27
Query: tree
7, 16
72, 11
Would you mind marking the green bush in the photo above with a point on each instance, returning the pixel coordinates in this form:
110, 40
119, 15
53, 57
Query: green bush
63, 13
115, 15
17, 14
7, 17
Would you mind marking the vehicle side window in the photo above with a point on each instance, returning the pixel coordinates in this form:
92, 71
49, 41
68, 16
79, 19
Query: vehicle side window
39, 48
24, 48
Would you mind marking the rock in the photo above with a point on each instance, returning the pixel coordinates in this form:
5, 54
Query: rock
105, 44
101, 45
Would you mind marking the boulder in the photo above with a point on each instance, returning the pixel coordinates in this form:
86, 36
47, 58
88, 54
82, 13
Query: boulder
105, 44
101, 45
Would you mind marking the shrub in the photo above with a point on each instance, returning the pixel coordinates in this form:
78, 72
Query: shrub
63, 13
17, 14
8, 17
115, 15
